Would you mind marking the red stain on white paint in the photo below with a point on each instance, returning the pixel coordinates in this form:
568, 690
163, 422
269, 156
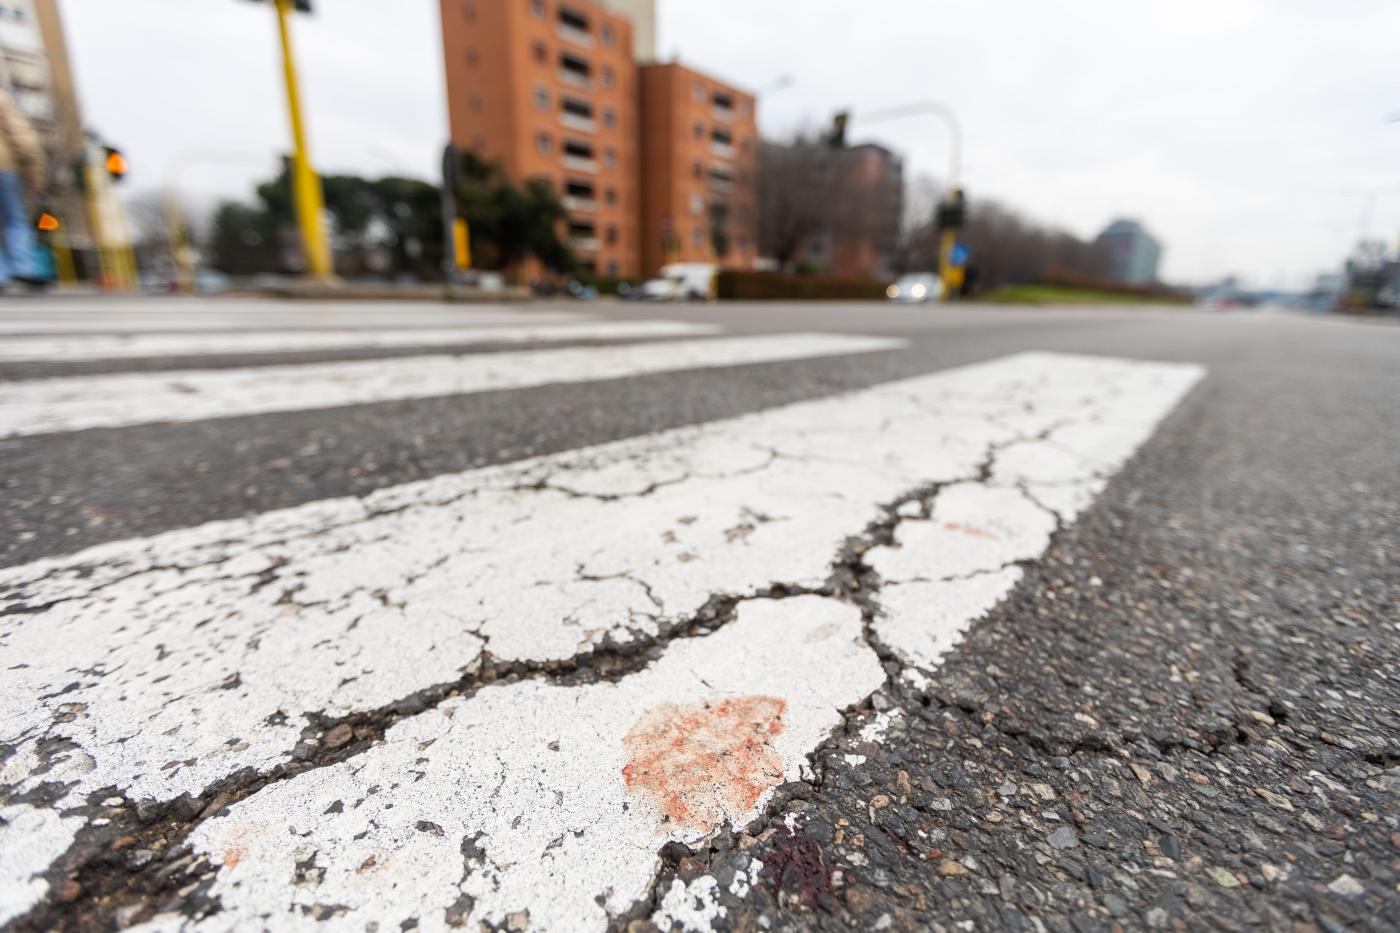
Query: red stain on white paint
971, 531
232, 857
707, 762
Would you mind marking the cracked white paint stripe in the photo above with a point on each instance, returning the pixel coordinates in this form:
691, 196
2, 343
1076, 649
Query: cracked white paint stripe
946, 571
170, 662
74, 403
132, 346
30, 838
546, 800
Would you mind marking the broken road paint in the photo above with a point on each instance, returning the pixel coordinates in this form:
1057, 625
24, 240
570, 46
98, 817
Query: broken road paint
707, 763
134, 346
162, 665
75, 403
30, 838
525, 783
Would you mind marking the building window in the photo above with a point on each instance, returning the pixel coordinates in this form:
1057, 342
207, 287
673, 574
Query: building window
607, 33
610, 195
473, 57
610, 158
697, 170
697, 204
543, 144
609, 76
474, 102
542, 98
469, 11
698, 130
539, 51
609, 116
537, 7
698, 93
611, 235
697, 237
612, 268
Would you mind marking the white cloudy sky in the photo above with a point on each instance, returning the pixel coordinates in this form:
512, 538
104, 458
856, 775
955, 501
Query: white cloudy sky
1251, 135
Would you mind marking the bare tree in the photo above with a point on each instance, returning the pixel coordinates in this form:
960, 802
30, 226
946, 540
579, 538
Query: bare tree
793, 196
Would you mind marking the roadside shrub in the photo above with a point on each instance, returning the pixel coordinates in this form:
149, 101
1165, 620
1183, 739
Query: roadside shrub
741, 285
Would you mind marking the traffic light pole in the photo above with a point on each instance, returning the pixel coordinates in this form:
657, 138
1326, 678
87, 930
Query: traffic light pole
306, 187
948, 237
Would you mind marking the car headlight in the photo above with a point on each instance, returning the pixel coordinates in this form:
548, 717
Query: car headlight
892, 291
918, 291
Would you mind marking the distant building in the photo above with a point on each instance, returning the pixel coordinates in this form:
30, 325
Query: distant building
863, 190
552, 89
699, 158
1132, 254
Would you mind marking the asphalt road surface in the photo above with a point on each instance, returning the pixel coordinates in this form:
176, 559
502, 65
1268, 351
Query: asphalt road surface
745, 617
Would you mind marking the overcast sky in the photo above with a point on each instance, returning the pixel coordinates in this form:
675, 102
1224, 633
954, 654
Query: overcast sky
1250, 135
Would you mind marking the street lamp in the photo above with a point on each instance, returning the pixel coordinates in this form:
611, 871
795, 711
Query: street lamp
953, 197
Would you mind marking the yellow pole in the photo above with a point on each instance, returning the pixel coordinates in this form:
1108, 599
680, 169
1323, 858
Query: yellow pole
946, 241
306, 187
93, 177
63, 258
180, 248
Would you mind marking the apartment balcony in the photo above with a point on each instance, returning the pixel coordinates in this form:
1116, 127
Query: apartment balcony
575, 122
584, 244
723, 150
575, 79
574, 34
579, 205
722, 113
580, 164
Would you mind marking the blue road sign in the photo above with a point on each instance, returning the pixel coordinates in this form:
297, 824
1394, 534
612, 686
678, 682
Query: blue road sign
959, 254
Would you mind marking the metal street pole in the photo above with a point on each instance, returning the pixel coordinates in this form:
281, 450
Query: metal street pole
306, 187
948, 237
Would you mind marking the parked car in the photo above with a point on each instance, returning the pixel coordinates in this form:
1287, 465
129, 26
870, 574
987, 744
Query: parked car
916, 287
679, 281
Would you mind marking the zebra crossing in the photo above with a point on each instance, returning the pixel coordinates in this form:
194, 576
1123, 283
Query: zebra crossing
496, 695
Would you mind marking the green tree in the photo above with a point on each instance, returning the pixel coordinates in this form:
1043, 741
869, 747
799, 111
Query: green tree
243, 240
509, 222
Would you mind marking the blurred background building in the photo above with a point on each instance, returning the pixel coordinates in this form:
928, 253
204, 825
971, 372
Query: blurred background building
653, 162
1130, 253
698, 168
35, 70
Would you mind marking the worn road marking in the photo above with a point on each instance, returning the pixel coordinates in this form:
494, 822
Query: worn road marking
74, 403
30, 838
162, 665
516, 799
131, 346
279, 317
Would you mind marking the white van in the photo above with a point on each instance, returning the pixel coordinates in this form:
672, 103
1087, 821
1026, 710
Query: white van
681, 281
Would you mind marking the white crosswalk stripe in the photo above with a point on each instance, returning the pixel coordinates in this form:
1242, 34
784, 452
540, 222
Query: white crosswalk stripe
74, 403
168, 663
272, 317
130, 346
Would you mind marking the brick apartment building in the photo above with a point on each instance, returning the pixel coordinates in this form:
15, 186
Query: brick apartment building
555, 90
699, 161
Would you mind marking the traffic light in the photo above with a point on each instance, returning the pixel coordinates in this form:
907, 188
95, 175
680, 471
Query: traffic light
837, 138
952, 213
115, 163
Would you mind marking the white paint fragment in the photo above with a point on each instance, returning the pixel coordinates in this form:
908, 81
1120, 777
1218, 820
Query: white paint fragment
854, 760
973, 529
921, 621
133, 346
692, 907
30, 839
746, 878
533, 775
878, 727
76, 403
